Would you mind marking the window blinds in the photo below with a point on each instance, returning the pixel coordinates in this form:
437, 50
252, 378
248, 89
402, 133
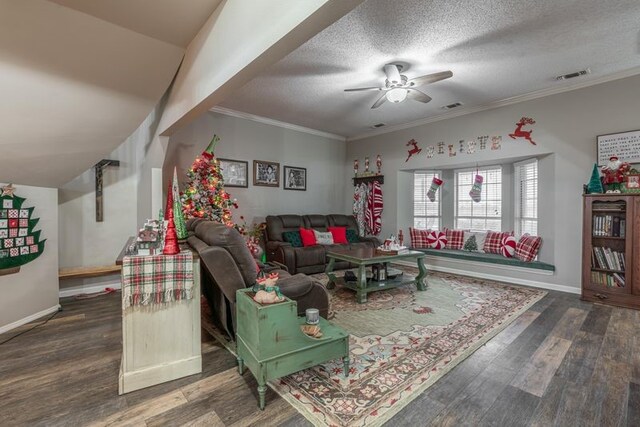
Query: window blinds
526, 208
426, 214
487, 214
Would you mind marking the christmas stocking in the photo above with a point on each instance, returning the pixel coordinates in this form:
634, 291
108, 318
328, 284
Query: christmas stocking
435, 184
476, 190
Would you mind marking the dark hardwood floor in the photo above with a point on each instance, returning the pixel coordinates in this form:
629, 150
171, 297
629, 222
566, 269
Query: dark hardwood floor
564, 362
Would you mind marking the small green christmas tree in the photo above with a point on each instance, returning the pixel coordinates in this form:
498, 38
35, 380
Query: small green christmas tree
178, 216
19, 242
595, 185
471, 244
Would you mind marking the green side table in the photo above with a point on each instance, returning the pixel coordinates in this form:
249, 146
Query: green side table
272, 345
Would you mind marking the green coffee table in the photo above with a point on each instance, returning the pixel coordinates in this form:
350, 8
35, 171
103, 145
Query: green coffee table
271, 344
362, 257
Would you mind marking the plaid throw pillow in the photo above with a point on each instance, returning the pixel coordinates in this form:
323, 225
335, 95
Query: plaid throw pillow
493, 242
455, 239
419, 238
527, 248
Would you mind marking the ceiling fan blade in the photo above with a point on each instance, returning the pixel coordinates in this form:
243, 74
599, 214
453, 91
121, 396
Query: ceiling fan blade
430, 78
362, 88
416, 95
393, 74
380, 101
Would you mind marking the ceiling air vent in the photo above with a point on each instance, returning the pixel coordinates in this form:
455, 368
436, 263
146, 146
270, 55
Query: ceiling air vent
379, 125
451, 106
573, 75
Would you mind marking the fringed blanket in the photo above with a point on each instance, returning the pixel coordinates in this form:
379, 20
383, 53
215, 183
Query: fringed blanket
157, 279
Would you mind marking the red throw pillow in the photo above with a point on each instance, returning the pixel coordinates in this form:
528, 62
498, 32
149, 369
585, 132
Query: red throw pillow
493, 242
419, 238
308, 237
339, 234
455, 239
437, 240
527, 248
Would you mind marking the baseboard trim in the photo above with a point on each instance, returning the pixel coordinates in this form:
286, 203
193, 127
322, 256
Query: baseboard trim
498, 278
31, 318
89, 289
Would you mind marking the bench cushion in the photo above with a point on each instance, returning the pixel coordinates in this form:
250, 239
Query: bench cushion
488, 258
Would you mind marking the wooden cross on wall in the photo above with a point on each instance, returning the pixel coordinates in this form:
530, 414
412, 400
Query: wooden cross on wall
99, 169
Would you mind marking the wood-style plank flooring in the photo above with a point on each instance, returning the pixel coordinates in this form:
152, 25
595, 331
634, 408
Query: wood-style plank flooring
564, 362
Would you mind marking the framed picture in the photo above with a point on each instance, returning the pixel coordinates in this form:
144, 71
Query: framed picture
295, 178
266, 174
235, 172
632, 184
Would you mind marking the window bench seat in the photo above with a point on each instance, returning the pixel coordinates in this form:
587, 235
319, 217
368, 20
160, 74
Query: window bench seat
488, 258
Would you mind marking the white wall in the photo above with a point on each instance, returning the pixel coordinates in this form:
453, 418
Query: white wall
243, 139
35, 288
566, 128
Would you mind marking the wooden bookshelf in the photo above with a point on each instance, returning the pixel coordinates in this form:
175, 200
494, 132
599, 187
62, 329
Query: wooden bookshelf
610, 246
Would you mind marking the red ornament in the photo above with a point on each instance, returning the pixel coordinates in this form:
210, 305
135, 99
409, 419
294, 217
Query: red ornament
171, 238
526, 134
414, 150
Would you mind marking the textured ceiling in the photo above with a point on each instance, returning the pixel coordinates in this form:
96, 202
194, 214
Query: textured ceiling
73, 88
497, 49
172, 21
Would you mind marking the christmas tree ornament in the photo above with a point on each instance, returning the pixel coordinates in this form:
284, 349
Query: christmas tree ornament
178, 216
435, 185
205, 196
171, 238
595, 184
476, 189
19, 241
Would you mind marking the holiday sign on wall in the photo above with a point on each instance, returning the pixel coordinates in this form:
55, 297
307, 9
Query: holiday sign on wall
19, 241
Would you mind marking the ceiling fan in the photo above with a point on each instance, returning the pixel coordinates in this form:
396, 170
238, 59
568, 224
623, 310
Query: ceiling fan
397, 87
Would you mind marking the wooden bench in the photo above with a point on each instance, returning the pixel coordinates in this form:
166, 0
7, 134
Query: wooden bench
487, 258
87, 272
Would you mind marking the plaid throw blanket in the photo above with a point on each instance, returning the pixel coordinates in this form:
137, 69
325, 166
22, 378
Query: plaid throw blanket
157, 279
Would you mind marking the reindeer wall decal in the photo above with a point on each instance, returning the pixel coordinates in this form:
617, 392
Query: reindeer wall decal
519, 133
414, 150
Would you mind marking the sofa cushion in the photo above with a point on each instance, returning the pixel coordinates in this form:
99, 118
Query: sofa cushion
323, 237
352, 235
317, 222
278, 224
339, 234
308, 237
347, 221
310, 255
215, 234
293, 237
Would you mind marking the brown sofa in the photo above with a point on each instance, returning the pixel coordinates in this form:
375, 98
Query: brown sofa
227, 265
310, 259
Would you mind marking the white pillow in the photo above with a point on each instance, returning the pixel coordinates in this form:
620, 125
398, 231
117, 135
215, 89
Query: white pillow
325, 238
480, 236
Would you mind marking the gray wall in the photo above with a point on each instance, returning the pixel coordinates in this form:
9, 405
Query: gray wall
243, 139
565, 131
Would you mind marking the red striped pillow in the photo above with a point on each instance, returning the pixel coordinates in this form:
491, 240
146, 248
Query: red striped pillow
528, 247
419, 238
493, 242
455, 239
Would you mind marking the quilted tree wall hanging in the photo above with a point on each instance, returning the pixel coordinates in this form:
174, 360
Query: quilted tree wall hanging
19, 241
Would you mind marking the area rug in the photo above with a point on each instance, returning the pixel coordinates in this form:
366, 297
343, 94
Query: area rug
402, 341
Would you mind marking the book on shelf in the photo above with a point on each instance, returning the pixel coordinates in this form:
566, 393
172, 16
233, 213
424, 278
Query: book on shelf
608, 226
607, 259
610, 280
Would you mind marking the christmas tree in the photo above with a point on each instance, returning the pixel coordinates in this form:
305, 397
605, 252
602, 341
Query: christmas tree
178, 217
204, 196
595, 185
19, 242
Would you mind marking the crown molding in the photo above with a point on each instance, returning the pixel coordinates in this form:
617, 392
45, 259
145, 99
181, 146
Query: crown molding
501, 103
272, 122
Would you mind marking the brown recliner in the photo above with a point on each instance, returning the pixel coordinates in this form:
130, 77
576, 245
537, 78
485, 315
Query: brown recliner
227, 265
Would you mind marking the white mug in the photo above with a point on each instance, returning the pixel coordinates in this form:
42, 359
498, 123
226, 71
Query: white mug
313, 316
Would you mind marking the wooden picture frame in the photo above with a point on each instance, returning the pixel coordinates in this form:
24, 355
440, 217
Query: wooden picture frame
266, 174
294, 178
235, 172
632, 183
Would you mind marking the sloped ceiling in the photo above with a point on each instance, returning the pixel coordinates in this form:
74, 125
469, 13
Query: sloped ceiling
73, 86
497, 49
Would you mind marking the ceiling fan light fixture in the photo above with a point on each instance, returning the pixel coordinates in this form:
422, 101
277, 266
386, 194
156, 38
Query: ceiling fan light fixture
397, 95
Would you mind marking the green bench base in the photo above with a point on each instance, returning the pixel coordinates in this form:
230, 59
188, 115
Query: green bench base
487, 258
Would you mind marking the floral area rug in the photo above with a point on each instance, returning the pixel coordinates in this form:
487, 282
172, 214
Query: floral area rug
402, 341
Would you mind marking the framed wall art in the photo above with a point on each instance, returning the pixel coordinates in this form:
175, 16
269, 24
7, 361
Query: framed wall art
235, 172
266, 174
295, 178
